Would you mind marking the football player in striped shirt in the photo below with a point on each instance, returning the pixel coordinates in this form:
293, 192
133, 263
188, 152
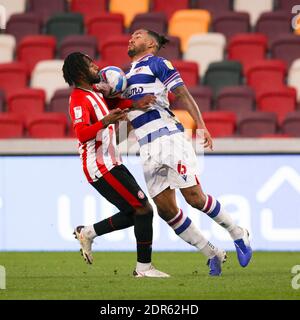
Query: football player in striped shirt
94, 126
169, 160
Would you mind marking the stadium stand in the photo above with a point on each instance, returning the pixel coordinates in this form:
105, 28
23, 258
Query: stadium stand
13, 7
286, 47
35, 48
211, 40
98, 25
238, 99
204, 49
45, 9
169, 7
47, 125
222, 74
281, 101
13, 77
220, 123
7, 48
231, 23
291, 124
185, 118
64, 24
155, 21
47, 75
273, 24
26, 102
185, 23
11, 126
88, 8
188, 71
293, 78
215, 7
247, 48
83, 43
23, 24
257, 124
254, 7
129, 8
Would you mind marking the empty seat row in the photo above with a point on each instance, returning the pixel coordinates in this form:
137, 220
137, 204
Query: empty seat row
224, 124
43, 125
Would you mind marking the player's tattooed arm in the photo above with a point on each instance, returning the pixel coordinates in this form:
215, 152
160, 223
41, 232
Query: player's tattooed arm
185, 99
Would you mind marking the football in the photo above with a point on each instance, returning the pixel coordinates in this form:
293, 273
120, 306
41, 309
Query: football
116, 78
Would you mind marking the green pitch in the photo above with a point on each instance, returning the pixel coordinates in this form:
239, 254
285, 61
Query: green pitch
64, 275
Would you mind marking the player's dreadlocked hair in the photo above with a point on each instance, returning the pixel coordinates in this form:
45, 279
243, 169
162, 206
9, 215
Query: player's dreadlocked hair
74, 67
160, 39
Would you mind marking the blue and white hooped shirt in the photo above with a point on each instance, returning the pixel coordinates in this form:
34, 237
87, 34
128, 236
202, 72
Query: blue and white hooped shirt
152, 75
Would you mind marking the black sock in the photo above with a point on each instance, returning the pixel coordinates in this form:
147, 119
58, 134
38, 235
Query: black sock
119, 221
143, 232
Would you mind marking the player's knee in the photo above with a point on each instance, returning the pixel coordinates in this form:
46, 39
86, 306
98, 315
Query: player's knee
196, 200
146, 209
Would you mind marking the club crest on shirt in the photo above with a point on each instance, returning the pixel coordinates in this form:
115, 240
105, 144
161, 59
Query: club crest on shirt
169, 64
78, 112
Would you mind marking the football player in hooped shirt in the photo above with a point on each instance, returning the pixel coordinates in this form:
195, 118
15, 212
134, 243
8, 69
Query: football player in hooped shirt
94, 127
169, 160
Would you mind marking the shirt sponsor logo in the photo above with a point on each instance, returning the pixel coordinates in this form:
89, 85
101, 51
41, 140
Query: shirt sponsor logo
78, 112
78, 121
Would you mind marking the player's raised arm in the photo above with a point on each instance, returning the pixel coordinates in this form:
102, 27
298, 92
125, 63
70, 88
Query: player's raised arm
184, 98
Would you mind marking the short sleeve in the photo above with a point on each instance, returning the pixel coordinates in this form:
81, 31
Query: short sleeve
166, 73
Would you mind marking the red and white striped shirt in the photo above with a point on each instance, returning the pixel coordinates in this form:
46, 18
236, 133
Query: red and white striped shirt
97, 145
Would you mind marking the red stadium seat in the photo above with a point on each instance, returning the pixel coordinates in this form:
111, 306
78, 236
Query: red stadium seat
247, 48
169, 7
11, 126
12, 77
2, 101
266, 75
280, 101
115, 50
286, 47
46, 8
60, 102
273, 24
238, 99
257, 124
26, 102
33, 49
47, 125
291, 124
231, 23
83, 43
188, 71
104, 26
220, 123
88, 8
155, 21
23, 24
215, 7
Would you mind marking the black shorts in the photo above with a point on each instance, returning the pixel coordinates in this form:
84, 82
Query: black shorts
120, 188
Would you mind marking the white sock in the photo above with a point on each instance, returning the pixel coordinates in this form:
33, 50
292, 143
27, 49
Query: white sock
214, 210
187, 231
90, 232
143, 266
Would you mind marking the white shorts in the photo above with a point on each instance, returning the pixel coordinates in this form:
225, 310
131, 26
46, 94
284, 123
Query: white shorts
169, 161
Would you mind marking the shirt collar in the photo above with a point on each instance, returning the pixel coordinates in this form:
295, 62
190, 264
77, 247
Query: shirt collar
148, 55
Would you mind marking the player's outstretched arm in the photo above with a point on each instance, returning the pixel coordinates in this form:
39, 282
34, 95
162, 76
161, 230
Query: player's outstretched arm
185, 99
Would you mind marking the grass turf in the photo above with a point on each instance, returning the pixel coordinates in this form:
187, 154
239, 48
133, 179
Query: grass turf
64, 275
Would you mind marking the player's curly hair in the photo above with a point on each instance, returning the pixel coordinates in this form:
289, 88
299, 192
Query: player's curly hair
160, 39
75, 65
